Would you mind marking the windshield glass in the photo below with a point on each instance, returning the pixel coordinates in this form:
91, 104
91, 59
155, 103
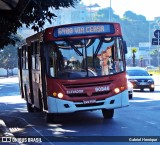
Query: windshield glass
81, 58
137, 73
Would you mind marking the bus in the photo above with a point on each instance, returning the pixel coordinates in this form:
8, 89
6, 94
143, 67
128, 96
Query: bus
74, 67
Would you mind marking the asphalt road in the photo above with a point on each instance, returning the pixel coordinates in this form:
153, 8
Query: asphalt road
137, 124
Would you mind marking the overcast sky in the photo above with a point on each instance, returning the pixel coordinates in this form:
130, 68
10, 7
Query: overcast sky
147, 8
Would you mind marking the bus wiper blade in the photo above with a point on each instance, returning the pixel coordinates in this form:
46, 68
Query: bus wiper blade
98, 48
75, 48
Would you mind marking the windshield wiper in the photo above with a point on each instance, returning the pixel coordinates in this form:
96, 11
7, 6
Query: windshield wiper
75, 48
98, 48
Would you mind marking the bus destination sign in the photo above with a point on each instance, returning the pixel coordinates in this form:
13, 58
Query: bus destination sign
90, 29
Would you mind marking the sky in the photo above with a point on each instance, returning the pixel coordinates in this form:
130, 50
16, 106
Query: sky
148, 8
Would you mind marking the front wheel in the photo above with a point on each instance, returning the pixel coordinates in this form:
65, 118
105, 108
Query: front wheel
151, 89
130, 96
107, 113
30, 108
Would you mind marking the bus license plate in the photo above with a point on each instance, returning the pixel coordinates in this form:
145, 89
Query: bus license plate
89, 101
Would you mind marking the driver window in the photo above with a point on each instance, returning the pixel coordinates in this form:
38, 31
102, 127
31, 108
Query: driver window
118, 57
52, 57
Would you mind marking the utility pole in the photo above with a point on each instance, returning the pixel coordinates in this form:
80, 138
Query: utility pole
156, 41
110, 7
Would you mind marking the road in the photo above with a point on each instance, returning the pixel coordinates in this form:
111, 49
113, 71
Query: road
135, 123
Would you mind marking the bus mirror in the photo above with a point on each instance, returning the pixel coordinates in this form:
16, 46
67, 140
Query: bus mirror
125, 47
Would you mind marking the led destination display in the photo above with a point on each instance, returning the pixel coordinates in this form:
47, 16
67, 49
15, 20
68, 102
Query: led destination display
67, 31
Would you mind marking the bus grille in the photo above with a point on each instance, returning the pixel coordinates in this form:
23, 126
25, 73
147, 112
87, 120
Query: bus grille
87, 84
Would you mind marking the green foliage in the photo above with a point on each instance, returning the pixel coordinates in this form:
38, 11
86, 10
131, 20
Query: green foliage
154, 55
135, 28
103, 15
8, 57
34, 14
132, 16
134, 50
135, 31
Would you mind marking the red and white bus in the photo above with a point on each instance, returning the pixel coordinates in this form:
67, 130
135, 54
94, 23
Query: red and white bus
74, 67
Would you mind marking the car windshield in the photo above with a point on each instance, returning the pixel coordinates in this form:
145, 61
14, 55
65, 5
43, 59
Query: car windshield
137, 73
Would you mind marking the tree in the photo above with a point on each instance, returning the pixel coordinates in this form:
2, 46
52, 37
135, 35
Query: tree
103, 15
135, 28
154, 54
8, 57
133, 16
34, 15
134, 50
141, 61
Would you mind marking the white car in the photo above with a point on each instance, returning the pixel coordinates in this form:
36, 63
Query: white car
150, 68
130, 89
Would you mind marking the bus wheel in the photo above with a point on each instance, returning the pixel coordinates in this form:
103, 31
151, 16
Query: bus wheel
107, 113
130, 96
51, 117
29, 107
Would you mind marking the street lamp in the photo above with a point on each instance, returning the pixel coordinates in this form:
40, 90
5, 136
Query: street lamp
149, 43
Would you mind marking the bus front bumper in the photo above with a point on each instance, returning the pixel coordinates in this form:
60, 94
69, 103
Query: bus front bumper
56, 105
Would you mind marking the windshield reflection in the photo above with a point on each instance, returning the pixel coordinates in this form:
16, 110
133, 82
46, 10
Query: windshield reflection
81, 58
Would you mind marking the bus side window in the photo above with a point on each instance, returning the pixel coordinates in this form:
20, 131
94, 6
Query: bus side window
52, 57
33, 55
118, 56
24, 57
37, 55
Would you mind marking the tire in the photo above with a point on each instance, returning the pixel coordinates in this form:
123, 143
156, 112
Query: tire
130, 96
151, 89
29, 107
142, 89
108, 113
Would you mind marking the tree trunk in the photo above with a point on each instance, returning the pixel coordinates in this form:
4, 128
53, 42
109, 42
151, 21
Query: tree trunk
134, 63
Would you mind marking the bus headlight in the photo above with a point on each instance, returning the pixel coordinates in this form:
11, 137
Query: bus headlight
116, 90
60, 95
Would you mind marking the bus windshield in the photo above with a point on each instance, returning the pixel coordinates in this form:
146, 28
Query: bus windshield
84, 58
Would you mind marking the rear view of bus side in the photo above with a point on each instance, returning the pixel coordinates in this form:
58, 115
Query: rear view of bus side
74, 67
